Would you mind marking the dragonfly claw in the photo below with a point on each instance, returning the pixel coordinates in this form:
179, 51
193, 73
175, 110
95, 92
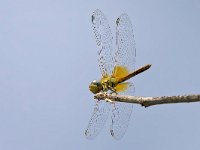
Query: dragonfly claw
109, 100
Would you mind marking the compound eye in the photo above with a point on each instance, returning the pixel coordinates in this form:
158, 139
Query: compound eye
94, 81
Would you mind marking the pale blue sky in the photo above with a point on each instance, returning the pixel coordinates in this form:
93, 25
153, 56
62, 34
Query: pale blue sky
48, 57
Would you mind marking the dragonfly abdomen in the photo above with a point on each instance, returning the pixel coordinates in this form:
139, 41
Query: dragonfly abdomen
136, 72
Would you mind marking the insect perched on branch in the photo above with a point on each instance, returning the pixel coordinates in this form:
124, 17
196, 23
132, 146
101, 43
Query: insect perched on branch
117, 70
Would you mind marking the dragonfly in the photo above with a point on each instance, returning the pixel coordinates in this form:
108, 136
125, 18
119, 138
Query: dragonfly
117, 69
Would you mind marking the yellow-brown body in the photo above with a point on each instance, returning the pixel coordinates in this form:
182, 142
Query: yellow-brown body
115, 82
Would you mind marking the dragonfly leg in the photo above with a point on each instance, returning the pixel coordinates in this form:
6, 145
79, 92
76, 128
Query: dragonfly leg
107, 100
113, 90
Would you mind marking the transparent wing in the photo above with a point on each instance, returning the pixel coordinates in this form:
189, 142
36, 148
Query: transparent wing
126, 51
121, 113
98, 119
124, 56
103, 36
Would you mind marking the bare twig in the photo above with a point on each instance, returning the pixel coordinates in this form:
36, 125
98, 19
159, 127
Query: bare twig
149, 101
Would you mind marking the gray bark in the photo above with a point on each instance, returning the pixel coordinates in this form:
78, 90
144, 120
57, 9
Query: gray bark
148, 101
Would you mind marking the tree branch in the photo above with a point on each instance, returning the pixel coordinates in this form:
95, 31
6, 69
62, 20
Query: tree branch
149, 101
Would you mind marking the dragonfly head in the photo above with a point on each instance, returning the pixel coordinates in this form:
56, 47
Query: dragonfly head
95, 87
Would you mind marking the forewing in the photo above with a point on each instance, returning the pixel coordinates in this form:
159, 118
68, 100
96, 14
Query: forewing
124, 56
103, 36
126, 51
98, 119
